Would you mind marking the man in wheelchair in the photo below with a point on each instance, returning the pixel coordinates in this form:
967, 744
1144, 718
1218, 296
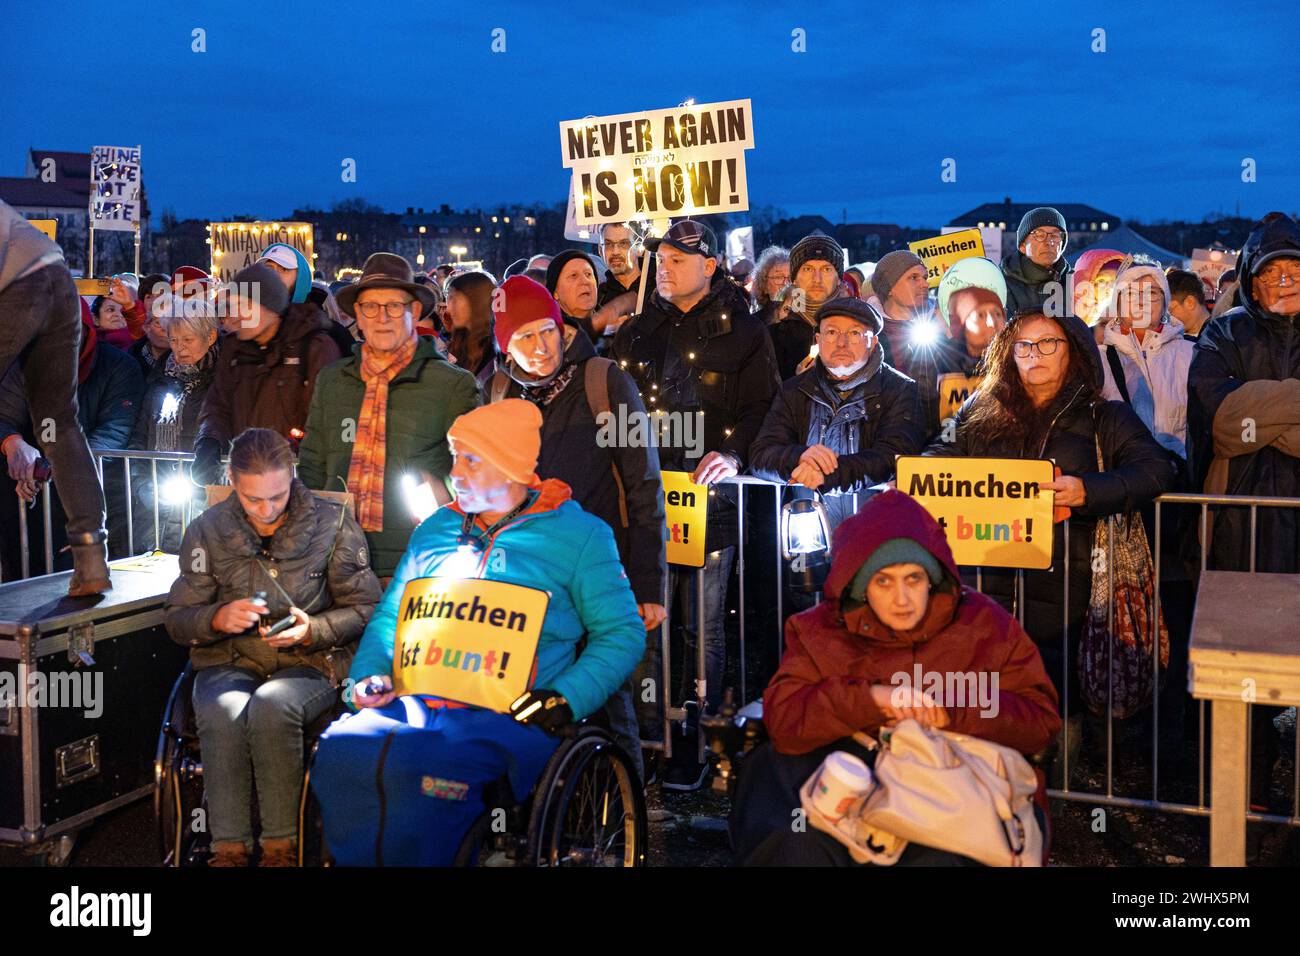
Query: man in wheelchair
896, 624
470, 666
256, 686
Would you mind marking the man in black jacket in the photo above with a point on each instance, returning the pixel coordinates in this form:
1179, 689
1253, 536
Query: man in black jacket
816, 267
583, 399
837, 427
1242, 379
1036, 270
698, 355
624, 273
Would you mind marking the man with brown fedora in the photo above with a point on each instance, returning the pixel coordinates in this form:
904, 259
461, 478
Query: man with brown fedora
378, 420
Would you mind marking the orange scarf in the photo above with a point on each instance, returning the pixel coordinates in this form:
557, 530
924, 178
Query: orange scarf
366, 471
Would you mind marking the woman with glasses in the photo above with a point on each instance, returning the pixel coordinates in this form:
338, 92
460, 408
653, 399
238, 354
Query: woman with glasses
1041, 398
1036, 269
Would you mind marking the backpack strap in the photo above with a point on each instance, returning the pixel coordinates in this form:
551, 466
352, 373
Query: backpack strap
1117, 373
497, 389
596, 384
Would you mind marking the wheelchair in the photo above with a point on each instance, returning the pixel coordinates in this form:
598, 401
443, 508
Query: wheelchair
178, 800
588, 809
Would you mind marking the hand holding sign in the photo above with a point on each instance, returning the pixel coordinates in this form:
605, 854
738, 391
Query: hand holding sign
1069, 494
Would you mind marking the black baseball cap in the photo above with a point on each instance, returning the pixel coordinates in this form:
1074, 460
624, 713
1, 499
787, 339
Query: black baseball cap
688, 236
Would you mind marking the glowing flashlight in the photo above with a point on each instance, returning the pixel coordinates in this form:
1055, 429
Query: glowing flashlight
419, 497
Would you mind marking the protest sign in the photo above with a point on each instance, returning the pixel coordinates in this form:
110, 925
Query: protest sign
47, 226
572, 231
992, 509
686, 509
685, 161
115, 187
740, 244
237, 245
93, 287
467, 640
1211, 263
991, 236
954, 388
939, 252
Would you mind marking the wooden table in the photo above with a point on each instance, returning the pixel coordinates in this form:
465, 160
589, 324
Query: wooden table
1245, 649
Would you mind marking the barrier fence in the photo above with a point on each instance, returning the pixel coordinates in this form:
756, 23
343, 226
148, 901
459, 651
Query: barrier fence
175, 507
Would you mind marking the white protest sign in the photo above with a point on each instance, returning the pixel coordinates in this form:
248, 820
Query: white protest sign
115, 187
237, 245
685, 161
740, 244
572, 231
1211, 263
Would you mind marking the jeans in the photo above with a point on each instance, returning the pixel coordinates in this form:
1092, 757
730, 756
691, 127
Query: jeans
41, 319
681, 595
250, 726
401, 785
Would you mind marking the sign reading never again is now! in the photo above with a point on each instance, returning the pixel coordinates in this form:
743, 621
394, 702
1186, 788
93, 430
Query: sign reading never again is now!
992, 509
653, 164
686, 509
467, 640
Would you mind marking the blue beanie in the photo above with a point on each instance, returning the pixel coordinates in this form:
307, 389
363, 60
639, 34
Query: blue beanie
894, 551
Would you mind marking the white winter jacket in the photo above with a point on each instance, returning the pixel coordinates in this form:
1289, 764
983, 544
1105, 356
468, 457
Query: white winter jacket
1155, 373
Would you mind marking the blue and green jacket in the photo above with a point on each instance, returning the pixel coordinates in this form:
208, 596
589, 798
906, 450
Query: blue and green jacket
554, 546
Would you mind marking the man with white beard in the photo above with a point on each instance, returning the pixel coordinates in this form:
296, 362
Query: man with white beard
837, 427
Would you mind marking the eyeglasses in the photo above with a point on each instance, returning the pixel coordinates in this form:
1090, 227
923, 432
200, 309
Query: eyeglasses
1275, 280
625, 245
1023, 347
852, 336
1047, 237
395, 310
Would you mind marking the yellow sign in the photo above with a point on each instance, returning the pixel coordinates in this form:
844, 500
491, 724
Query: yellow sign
942, 251
237, 245
992, 509
954, 388
46, 226
686, 510
93, 286
467, 640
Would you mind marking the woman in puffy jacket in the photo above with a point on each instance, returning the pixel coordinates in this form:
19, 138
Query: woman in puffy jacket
254, 691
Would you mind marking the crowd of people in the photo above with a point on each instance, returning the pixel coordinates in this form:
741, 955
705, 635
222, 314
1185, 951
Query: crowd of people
464, 417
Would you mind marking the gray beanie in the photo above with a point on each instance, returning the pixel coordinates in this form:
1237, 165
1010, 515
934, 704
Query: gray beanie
1041, 216
816, 246
270, 291
890, 269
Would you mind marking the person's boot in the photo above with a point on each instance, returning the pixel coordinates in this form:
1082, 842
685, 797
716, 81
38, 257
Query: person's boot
89, 564
229, 854
281, 852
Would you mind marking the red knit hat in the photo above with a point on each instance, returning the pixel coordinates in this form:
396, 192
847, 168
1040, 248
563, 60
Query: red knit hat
518, 301
188, 274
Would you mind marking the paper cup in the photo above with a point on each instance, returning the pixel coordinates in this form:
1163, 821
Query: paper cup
841, 780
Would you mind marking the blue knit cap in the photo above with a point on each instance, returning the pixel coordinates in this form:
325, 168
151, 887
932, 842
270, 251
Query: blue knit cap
894, 551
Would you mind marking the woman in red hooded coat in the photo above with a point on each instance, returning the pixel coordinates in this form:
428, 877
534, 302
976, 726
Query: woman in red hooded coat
894, 604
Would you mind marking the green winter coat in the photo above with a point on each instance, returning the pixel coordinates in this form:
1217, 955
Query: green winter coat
423, 400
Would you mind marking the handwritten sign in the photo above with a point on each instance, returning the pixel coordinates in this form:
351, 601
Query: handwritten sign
115, 187
992, 509
237, 245
467, 640
686, 510
685, 161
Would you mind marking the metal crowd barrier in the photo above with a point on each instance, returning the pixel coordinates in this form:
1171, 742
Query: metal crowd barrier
105, 460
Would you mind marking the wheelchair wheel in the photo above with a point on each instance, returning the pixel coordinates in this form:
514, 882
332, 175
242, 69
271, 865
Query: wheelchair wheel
588, 808
178, 779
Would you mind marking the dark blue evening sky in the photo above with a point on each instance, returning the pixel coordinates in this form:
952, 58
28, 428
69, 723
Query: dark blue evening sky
1155, 127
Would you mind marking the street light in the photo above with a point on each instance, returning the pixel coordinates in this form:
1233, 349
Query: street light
458, 251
